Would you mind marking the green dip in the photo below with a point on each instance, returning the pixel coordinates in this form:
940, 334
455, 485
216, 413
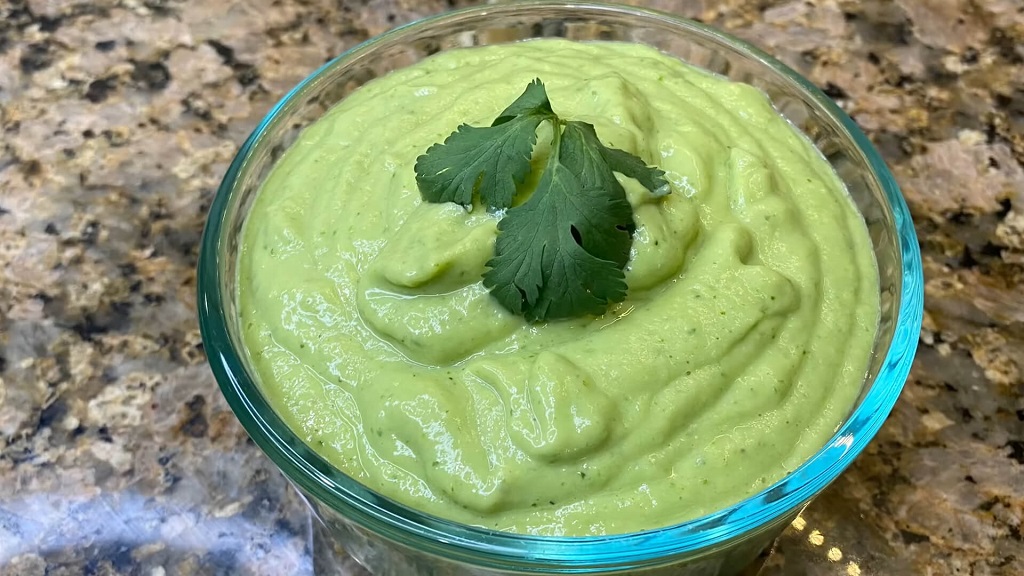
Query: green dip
743, 343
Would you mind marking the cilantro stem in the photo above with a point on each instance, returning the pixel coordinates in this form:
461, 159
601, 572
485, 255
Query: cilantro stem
557, 124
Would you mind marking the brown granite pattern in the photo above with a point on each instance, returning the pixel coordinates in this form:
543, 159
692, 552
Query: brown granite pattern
118, 454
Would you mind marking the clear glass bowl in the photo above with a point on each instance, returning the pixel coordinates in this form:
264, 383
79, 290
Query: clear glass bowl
390, 538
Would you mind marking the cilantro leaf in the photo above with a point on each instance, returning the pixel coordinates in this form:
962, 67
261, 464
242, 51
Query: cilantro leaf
611, 235
561, 253
489, 161
632, 166
533, 101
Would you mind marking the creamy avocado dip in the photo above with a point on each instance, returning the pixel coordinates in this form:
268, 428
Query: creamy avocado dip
742, 345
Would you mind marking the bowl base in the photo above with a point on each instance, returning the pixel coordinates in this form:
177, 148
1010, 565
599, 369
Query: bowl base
329, 557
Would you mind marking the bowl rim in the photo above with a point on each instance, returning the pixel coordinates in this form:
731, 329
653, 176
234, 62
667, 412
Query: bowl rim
493, 549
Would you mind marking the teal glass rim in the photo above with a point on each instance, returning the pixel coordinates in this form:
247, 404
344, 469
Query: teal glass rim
502, 550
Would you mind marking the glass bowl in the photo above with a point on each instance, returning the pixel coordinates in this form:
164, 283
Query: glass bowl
390, 538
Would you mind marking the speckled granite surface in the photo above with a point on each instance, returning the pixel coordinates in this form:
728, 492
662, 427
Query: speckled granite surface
118, 454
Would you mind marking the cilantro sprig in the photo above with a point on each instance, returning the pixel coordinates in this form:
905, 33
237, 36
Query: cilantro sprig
561, 253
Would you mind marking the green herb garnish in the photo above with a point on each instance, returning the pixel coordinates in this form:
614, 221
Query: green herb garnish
561, 253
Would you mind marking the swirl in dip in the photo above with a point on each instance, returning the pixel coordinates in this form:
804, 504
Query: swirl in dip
741, 347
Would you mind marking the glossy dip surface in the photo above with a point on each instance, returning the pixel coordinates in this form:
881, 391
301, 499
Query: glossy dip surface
742, 345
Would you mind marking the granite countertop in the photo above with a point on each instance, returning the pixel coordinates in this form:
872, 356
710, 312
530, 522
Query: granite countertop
118, 454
